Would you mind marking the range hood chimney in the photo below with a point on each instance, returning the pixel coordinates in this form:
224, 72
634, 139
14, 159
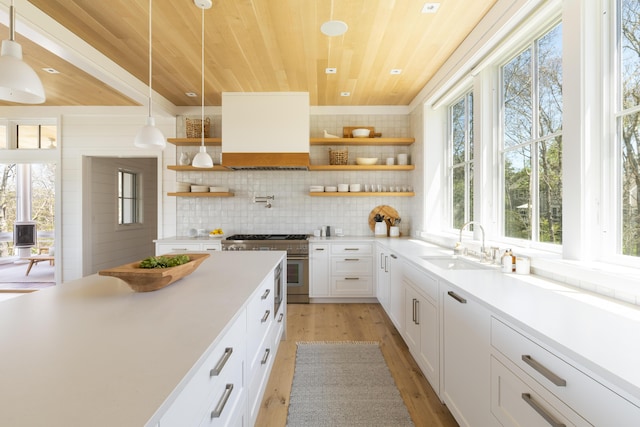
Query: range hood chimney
265, 130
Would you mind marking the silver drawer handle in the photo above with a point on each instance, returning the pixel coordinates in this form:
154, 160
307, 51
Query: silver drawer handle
265, 357
178, 249
352, 259
351, 249
544, 371
319, 249
393, 256
223, 361
351, 278
280, 317
417, 305
457, 297
414, 310
266, 294
541, 411
266, 316
222, 402
212, 249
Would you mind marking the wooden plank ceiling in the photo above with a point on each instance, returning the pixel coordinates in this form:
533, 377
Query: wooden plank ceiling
259, 45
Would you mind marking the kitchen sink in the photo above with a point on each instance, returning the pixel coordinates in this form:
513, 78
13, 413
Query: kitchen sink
454, 262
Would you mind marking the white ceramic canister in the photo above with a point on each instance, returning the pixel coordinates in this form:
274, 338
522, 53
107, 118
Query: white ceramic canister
523, 265
394, 231
390, 161
380, 229
403, 159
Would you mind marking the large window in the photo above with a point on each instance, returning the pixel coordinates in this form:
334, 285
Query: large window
532, 140
628, 124
461, 169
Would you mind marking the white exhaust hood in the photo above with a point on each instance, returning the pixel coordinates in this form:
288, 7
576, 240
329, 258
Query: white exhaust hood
265, 130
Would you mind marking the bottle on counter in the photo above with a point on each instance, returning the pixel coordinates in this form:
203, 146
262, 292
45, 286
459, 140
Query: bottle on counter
508, 263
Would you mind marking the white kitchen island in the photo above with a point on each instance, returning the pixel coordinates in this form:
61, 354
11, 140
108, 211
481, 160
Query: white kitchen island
94, 353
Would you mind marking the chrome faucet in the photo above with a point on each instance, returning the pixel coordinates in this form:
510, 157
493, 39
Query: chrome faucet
458, 247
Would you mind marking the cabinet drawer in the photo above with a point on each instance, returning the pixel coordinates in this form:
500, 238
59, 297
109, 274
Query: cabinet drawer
352, 286
427, 284
221, 363
209, 247
166, 248
574, 387
352, 249
351, 265
515, 404
259, 320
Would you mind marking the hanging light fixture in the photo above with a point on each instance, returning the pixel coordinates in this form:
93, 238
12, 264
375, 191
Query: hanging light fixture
150, 136
202, 159
18, 82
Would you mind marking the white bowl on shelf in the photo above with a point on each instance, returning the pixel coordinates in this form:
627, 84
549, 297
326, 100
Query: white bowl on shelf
219, 189
199, 188
316, 189
360, 133
366, 160
343, 188
331, 189
355, 188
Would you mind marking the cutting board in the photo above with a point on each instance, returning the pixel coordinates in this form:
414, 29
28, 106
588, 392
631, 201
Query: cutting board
384, 210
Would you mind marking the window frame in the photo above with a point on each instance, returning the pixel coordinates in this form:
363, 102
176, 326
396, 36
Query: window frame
136, 198
467, 97
529, 42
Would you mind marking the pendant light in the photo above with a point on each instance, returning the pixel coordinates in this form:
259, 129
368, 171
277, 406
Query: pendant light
18, 82
202, 159
150, 136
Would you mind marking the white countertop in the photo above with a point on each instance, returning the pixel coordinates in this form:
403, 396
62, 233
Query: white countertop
187, 239
601, 334
94, 353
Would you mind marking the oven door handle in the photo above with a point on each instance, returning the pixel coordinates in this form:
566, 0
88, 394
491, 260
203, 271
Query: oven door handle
297, 258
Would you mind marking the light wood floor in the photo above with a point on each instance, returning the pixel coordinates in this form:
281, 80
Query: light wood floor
346, 322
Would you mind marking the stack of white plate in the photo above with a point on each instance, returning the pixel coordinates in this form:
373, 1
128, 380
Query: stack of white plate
199, 188
219, 189
331, 189
316, 189
183, 187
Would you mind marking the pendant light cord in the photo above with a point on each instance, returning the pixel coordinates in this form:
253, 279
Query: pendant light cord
202, 83
12, 20
150, 54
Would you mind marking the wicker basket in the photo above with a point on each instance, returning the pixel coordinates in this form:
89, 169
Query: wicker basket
194, 126
338, 157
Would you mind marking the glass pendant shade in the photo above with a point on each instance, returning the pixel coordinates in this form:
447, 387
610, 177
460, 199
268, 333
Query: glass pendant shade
150, 136
18, 82
202, 159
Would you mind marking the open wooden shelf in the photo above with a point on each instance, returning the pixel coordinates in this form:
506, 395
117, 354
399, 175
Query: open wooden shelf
362, 141
186, 168
363, 194
205, 194
361, 167
208, 142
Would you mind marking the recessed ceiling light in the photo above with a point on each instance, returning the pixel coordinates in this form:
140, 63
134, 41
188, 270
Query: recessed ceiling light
191, 94
430, 7
345, 93
334, 28
51, 70
396, 71
330, 70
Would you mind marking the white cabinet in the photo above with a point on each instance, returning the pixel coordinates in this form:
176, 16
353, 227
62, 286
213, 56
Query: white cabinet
352, 270
382, 277
319, 274
341, 270
421, 322
396, 291
547, 371
166, 246
515, 403
465, 371
216, 388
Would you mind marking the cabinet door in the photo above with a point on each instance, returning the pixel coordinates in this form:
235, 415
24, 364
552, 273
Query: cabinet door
466, 366
319, 270
167, 248
351, 286
396, 292
382, 278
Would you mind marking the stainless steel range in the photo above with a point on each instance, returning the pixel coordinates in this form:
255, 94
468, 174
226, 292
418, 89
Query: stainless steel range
297, 248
